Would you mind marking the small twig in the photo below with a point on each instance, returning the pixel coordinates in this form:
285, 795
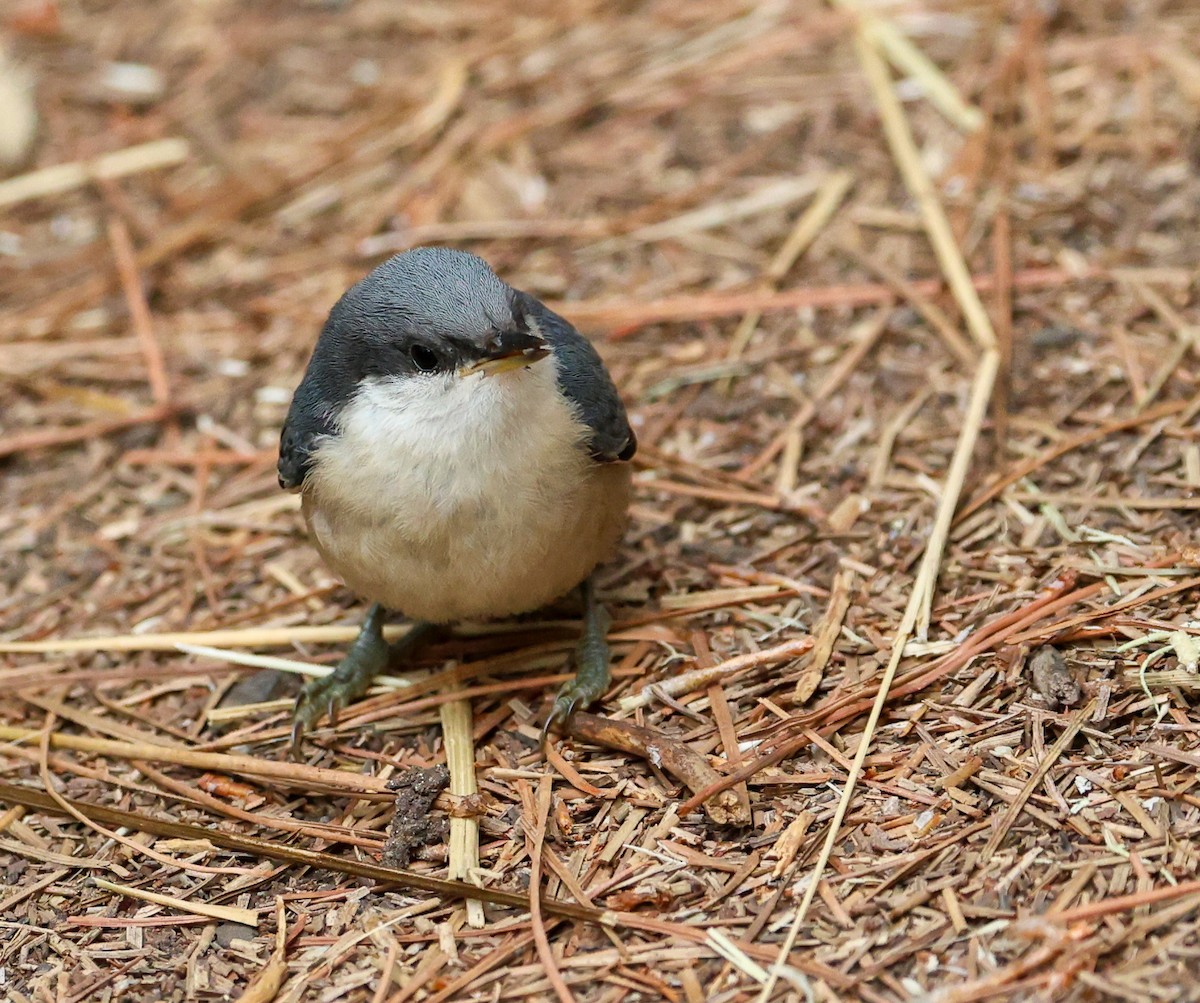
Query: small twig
699, 679
1134, 504
139, 311
670, 754
203, 457
297, 773
916, 178
908, 59
538, 805
140, 822
225, 913
628, 316
64, 177
808, 225
279, 637
771, 196
49, 438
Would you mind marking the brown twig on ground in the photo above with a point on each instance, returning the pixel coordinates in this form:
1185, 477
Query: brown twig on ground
677, 759
30, 798
537, 804
52, 438
628, 316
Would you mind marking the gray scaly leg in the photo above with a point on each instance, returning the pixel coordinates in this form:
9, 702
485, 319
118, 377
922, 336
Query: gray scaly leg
367, 658
593, 673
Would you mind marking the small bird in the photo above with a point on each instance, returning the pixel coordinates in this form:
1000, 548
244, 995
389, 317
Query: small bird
461, 453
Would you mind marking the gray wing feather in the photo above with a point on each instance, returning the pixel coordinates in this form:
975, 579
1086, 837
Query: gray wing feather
585, 383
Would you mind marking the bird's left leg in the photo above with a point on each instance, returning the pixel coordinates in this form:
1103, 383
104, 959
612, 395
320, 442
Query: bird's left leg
593, 673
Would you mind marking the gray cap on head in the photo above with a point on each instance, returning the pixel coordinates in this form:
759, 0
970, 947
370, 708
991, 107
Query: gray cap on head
440, 289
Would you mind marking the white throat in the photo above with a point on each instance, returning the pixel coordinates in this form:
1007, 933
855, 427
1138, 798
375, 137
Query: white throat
419, 449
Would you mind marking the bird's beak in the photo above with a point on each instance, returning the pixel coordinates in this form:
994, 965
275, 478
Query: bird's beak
509, 350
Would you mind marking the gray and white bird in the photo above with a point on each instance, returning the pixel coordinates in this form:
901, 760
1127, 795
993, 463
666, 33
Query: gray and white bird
460, 451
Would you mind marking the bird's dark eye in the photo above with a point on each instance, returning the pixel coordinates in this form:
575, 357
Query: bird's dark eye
423, 358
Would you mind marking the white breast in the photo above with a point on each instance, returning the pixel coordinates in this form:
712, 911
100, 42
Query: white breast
448, 497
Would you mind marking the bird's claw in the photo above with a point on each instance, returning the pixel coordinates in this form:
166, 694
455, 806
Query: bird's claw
570, 698
593, 672
323, 697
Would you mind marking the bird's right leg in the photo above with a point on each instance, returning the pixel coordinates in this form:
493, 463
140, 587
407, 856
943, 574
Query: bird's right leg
367, 658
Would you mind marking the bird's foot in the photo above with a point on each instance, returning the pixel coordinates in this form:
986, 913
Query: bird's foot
593, 671
367, 658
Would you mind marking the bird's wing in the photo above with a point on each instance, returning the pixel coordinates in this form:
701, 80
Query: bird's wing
585, 383
299, 438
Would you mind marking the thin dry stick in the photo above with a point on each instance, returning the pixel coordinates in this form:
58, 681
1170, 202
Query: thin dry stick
900, 138
937, 226
627, 316
1134, 504
1017, 804
910, 60
540, 807
329, 832
771, 196
464, 832
48, 438
378, 684
296, 773
41, 801
227, 913
981, 392
250, 637
808, 225
701, 678
679, 605
139, 311
1123, 903
64, 177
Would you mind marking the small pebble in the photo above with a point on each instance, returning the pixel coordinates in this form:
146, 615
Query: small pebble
229, 932
1052, 679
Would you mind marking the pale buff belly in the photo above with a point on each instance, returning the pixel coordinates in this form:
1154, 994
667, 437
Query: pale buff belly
481, 556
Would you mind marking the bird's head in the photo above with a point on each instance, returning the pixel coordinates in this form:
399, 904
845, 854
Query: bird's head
433, 314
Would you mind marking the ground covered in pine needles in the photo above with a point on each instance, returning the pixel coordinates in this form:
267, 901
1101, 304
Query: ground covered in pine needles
906, 312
